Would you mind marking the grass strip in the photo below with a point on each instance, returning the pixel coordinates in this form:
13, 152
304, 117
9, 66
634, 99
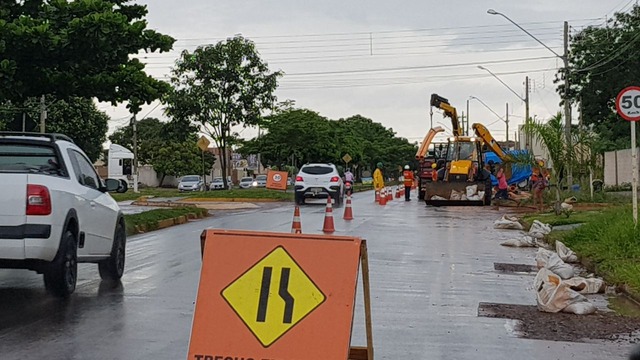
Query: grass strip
148, 220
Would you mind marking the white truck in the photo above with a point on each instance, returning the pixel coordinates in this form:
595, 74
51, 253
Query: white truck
55, 211
120, 165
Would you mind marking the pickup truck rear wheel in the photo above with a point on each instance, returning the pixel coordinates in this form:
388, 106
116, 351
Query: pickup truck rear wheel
61, 275
113, 267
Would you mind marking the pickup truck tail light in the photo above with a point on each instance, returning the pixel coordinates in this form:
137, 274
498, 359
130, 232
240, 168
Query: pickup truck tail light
299, 178
335, 179
38, 200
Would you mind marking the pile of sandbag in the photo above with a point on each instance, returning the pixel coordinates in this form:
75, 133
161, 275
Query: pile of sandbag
471, 193
508, 222
556, 295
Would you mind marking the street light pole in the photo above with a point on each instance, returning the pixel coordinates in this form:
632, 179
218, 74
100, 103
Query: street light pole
507, 122
525, 99
565, 60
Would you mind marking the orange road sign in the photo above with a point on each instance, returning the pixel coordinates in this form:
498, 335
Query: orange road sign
277, 180
278, 297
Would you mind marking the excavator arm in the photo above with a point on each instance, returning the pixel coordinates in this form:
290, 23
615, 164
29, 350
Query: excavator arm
449, 111
483, 133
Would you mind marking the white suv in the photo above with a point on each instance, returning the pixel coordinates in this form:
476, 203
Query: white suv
55, 211
319, 181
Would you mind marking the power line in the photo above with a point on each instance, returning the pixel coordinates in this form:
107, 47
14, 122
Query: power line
475, 27
405, 68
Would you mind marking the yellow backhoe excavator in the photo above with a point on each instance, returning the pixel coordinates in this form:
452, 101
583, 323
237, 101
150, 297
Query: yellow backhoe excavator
462, 179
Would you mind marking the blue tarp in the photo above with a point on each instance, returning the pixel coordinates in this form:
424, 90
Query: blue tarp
518, 172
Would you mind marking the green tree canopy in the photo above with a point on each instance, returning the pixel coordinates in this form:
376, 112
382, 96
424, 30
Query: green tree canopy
75, 117
221, 86
604, 61
77, 48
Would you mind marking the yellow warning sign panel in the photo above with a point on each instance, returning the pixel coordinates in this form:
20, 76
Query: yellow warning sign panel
273, 296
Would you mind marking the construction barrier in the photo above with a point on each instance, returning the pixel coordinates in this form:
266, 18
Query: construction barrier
279, 296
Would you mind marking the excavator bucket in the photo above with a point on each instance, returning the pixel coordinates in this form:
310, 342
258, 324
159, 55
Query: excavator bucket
450, 194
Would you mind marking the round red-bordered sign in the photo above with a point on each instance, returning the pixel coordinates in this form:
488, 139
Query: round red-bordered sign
628, 103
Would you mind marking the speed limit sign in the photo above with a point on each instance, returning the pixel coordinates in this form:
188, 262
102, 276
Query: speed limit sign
628, 103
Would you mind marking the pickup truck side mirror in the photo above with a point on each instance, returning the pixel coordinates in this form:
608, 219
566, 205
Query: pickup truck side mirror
116, 185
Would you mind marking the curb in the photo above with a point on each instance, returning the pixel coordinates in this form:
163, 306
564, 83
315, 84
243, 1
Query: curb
201, 200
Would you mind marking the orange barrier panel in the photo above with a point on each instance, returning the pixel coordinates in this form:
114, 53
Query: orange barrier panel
277, 180
279, 296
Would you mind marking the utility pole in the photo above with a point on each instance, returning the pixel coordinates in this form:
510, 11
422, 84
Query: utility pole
507, 123
24, 121
567, 102
43, 114
462, 118
527, 137
467, 117
135, 153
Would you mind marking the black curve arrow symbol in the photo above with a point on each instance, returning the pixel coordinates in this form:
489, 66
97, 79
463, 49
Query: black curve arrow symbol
284, 294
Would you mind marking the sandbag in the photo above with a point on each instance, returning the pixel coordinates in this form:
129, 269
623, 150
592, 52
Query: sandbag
475, 198
566, 254
508, 222
455, 195
463, 197
481, 195
554, 295
566, 207
525, 241
436, 197
551, 261
539, 230
587, 285
472, 190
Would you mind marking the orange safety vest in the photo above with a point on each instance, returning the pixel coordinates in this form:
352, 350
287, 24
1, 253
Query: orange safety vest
408, 177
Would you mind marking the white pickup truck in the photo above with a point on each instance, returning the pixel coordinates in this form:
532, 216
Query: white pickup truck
55, 211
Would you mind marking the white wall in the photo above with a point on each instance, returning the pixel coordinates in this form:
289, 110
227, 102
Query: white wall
617, 167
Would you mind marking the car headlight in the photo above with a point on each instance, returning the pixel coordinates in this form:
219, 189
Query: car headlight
255, 183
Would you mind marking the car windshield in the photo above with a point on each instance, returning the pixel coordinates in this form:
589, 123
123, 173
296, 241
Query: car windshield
190, 179
217, 180
19, 157
261, 177
247, 179
317, 170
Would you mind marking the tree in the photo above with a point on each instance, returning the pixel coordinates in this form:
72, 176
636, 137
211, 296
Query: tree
76, 117
77, 48
310, 137
221, 86
604, 60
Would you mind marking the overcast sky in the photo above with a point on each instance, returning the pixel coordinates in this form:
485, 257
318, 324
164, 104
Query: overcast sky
383, 59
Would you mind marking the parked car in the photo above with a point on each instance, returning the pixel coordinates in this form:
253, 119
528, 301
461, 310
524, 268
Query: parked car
246, 183
260, 181
55, 211
218, 184
319, 181
191, 183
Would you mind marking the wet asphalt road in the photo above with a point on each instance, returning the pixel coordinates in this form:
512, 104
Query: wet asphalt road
429, 270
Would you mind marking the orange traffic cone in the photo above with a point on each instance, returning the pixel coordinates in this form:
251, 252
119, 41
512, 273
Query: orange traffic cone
383, 197
398, 192
390, 195
296, 226
378, 196
328, 226
348, 212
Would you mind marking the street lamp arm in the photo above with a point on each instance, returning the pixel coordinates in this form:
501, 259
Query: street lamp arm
487, 106
493, 12
503, 83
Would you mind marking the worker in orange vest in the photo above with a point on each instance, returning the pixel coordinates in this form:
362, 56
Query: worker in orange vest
408, 181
